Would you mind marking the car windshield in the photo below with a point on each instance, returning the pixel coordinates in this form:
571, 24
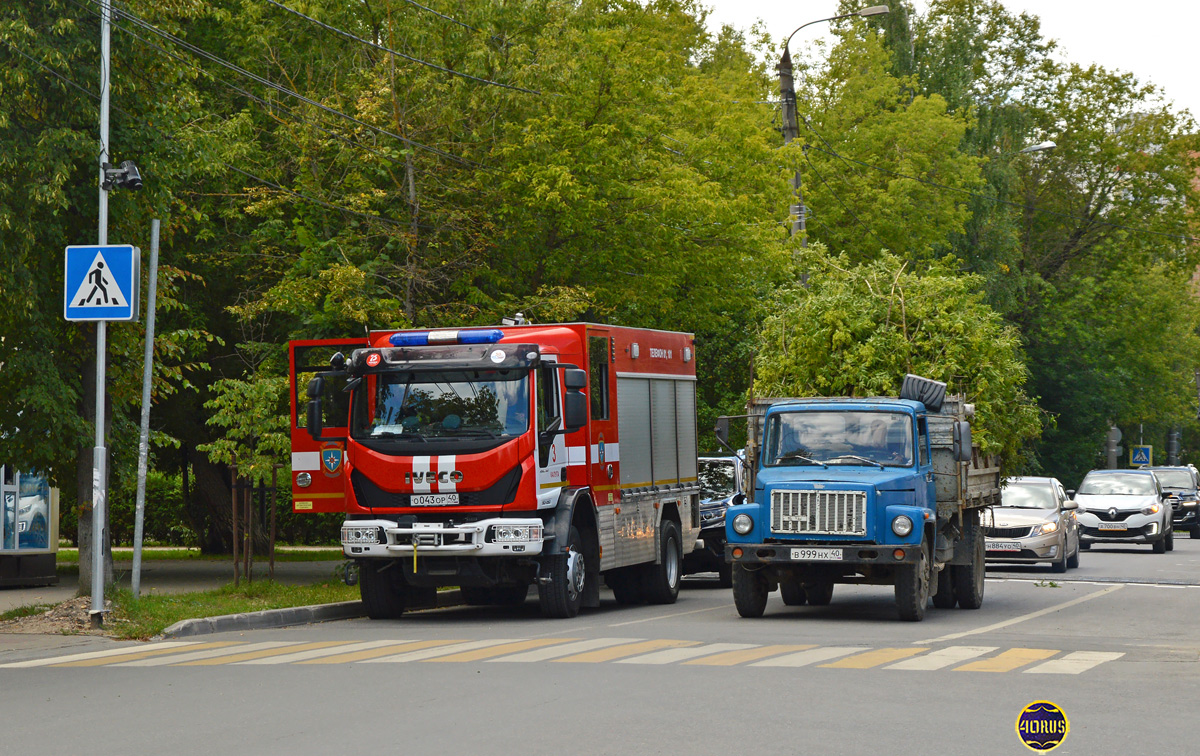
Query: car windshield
1027, 496
1120, 484
1179, 479
718, 478
839, 437
429, 406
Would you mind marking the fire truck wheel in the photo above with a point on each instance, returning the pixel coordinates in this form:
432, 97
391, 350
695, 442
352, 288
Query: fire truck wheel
750, 590
383, 591
792, 592
662, 579
626, 585
563, 594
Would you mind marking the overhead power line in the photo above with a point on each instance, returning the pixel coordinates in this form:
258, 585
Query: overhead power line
845, 207
448, 18
283, 90
967, 192
397, 53
259, 179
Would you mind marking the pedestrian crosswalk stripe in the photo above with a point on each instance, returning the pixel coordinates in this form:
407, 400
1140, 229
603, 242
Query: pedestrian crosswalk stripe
339, 649
388, 649
566, 649
1008, 660
429, 653
674, 655
874, 658
812, 656
95, 654
1074, 663
485, 653
261, 653
149, 653
730, 658
193, 655
629, 649
942, 658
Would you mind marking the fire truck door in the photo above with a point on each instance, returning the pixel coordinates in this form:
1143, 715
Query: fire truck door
551, 444
318, 483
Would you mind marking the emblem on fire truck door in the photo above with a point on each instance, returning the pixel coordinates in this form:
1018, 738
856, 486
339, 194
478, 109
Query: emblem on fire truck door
600, 448
331, 461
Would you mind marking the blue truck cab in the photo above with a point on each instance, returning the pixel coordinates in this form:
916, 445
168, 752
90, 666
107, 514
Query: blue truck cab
876, 491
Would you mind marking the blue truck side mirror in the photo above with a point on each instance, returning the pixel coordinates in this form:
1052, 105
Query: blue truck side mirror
962, 441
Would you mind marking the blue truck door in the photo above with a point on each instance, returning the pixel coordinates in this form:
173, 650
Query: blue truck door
926, 494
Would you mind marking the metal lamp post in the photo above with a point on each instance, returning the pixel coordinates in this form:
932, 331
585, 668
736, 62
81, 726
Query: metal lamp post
791, 126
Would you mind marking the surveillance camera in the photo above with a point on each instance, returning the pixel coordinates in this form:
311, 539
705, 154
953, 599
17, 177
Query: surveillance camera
133, 177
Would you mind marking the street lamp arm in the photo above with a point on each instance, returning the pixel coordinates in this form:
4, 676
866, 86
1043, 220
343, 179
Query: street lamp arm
874, 10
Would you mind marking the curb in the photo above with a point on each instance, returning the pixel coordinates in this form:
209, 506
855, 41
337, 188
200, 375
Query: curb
289, 617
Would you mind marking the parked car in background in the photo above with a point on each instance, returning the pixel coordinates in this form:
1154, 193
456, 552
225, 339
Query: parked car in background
720, 485
1035, 522
1124, 506
1184, 482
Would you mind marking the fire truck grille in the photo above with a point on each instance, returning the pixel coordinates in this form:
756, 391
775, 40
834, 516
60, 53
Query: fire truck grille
819, 512
371, 496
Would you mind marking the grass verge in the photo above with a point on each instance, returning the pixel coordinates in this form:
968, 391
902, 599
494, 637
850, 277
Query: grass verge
24, 611
150, 615
125, 554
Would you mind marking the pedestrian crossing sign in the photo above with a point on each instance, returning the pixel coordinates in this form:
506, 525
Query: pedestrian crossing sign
1141, 455
102, 282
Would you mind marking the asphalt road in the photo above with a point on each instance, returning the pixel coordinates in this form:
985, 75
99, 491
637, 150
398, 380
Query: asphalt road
1116, 644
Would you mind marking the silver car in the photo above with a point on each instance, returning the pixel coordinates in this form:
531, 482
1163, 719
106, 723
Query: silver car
1125, 506
1035, 522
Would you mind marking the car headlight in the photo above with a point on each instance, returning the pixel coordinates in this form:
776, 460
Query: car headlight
1154, 508
902, 525
1044, 528
743, 524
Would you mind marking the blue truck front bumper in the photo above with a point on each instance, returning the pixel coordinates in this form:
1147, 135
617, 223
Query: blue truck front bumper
809, 552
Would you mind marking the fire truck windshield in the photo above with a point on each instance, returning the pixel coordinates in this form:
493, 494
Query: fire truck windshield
425, 406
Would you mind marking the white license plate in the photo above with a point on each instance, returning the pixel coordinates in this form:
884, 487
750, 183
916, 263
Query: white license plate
1003, 546
817, 555
433, 500
1112, 526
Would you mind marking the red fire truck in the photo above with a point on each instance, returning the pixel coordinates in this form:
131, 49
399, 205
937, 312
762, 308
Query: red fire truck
503, 457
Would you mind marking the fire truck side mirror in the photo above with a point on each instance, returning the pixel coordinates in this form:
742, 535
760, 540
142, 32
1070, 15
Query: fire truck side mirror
314, 424
574, 378
575, 410
316, 388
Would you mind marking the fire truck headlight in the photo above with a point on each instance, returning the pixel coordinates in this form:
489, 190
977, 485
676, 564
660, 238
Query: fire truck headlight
902, 525
743, 524
360, 535
516, 533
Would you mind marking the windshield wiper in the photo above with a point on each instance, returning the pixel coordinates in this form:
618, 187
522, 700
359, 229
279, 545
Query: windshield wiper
404, 436
802, 458
855, 456
476, 432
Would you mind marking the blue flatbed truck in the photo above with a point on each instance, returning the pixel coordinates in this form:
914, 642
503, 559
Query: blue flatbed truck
876, 491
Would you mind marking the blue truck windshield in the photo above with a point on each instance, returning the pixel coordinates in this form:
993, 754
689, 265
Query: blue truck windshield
839, 438
426, 406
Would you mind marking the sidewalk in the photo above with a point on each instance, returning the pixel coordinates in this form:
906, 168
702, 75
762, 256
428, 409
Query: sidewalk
171, 576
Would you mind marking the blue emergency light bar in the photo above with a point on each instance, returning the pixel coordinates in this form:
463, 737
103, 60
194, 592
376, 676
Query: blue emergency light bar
425, 338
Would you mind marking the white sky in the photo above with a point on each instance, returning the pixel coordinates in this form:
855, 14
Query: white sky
1156, 40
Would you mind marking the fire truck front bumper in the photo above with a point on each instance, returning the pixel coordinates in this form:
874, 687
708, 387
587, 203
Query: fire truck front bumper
500, 536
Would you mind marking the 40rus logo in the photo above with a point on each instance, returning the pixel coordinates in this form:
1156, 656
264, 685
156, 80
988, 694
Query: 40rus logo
1042, 726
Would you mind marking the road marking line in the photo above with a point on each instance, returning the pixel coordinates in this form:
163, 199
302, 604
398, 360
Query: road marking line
150, 652
1074, 663
1023, 617
874, 658
262, 653
429, 653
391, 648
565, 649
234, 647
812, 656
672, 616
317, 653
943, 657
629, 649
504, 648
673, 655
730, 658
1008, 660
95, 654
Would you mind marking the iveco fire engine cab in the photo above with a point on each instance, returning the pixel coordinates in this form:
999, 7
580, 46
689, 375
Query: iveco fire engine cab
499, 458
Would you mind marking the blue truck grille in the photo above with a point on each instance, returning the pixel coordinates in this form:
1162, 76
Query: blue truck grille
819, 512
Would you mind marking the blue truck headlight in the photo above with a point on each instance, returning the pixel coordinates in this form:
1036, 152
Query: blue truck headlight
743, 524
902, 525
